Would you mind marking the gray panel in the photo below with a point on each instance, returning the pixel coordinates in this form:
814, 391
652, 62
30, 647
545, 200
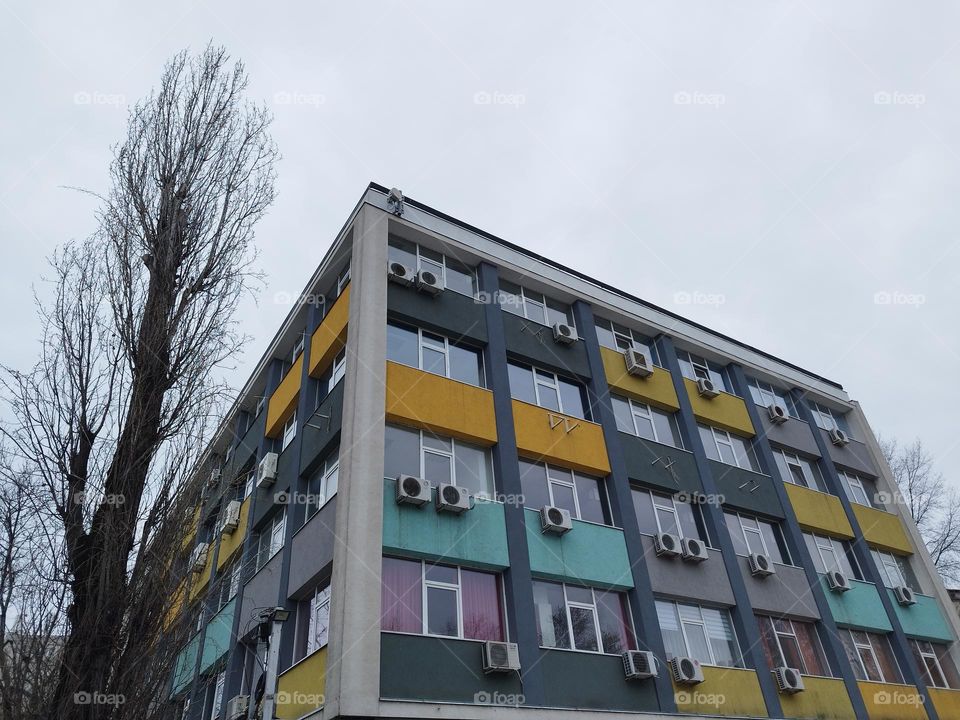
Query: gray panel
416, 667
785, 593
793, 434
286, 477
533, 343
745, 490
672, 577
853, 456
647, 463
319, 431
448, 313
261, 591
312, 548
591, 681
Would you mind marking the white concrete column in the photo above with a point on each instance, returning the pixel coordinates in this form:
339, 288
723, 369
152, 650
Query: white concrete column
353, 652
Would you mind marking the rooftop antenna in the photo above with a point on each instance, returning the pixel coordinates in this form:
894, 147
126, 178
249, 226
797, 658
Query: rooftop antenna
395, 200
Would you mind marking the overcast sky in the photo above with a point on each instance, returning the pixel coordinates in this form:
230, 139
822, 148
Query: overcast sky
792, 166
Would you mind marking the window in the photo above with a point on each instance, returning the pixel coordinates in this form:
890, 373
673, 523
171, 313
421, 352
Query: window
217, 700
639, 419
579, 618
791, 643
438, 459
694, 367
702, 633
797, 470
289, 431
229, 584
620, 338
433, 353
440, 600
297, 350
261, 403
546, 389
870, 656
828, 419
829, 555
270, 538
343, 279
322, 485
858, 489
765, 394
662, 513
894, 570
581, 495
249, 482
313, 622
727, 448
753, 535
454, 274
533, 305
935, 664
331, 376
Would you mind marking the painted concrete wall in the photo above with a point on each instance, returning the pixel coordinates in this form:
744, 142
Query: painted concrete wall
185, 665
590, 554
672, 577
658, 466
785, 593
860, 607
882, 529
330, 336
300, 689
313, 548
262, 590
818, 511
449, 313
593, 681
923, 620
229, 544
283, 402
656, 389
321, 429
794, 434
218, 636
854, 456
886, 701
822, 698
724, 692
533, 343
724, 411
560, 439
746, 490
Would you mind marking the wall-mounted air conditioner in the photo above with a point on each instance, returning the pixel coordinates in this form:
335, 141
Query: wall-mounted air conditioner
905, 595
693, 550
639, 664
500, 657
413, 490
451, 498
198, 558
231, 518
400, 274
564, 334
637, 363
838, 437
789, 680
428, 282
760, 565
267, 470
666, 544
555, 520
837, 581
706, 388
238, 707
778, 413
686, 671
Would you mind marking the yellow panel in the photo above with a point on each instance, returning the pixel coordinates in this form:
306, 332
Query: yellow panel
656, 389
818, 511
300, 689
176, 605
946, 702
885, 701
560, 439
724, 691
331, 335
447, 407
724, 411
191, 530
823, 699
882, 529
201, 579
283, 402
229, 544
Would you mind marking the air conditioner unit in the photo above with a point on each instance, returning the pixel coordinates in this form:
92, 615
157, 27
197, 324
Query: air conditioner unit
778, 413
238, 707
789, 680
686, 671
693, 550
500, 657
706, 388
231, 518
564, 334
555, 520
413, 490
839, 437
400, 274
452, 498
760, 565
904, 595
215, 476
837, 581
666, 544
428, 282
637, 363
639, 664
267, 470
198, 558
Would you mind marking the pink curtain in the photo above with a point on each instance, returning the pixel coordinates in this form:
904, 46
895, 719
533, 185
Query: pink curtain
401, 596
482, 611
810, 648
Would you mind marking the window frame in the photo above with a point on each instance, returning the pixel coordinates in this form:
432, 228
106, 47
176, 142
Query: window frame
631, 638
728, 442
926, 656
635, 405
312, 607
853, 482
216, 700
791, 458
289, 431
526, 299
330, 465
776, 634
572, 486
819, 540
445, 351
555, 385
615, 329
421, 258
861, 647
739, 661
269, 532
766, 389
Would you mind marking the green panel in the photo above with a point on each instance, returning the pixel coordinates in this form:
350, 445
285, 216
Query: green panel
185, 664
923, 620
751, 492
860, 607
218, 636
659, 466
417, 667
477, 538
590, 554
590, 680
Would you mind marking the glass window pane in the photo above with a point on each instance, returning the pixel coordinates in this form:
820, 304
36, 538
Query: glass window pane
590, 498
551, 611
441, 573
521, 383
623, 414
510, 299
401, 596
886, 659
434, 361
645, 426
482, 611
401, 452
584, 629
558, 312
581, 595
774, 541
853, 655
572, 397
726, 454
465, 365
605, 334
533, 483
615, 629
433, 442
688, 524
722, 639
460, 277
442, 611
709, 444
402, 345
644, 509
402, 252
736, 533
697, 645
771, 649
563, 498
667, 431
668, 521
810, 649
869, 661
474, 472
437, 468
533, 306
670, 629
791, 652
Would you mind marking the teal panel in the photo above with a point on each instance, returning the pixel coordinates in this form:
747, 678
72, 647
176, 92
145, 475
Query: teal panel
924, 620
594, 555
218, 636
860, 607
477, 538
185, 664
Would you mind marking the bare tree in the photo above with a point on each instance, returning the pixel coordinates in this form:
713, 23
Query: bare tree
933, 505
141, 318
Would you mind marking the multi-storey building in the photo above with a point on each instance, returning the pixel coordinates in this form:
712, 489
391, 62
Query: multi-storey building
467, 482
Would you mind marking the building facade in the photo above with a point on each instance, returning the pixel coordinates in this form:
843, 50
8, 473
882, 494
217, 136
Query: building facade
467, 482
